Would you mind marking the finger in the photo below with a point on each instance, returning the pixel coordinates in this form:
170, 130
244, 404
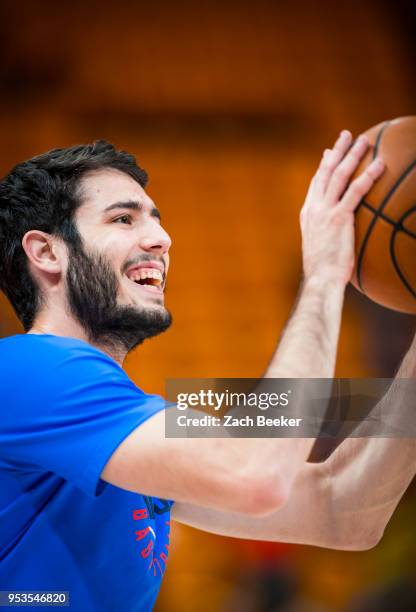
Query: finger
362, 185
330, 160
345, 169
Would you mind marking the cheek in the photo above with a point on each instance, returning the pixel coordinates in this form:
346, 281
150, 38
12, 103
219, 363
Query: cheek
114, 252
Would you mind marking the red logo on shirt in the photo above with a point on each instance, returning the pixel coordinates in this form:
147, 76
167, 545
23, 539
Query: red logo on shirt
147, 536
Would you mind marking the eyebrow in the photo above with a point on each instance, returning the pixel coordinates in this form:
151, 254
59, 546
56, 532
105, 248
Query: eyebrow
133, 205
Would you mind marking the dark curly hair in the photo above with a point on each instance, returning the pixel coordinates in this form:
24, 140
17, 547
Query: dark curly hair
43, 193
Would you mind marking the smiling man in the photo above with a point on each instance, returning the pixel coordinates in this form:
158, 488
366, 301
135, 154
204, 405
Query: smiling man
87, 476
115, 287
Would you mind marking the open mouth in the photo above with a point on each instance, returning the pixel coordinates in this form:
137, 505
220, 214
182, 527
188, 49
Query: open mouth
149, 279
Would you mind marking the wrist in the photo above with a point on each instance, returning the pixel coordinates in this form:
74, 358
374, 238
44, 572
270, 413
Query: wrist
323, 284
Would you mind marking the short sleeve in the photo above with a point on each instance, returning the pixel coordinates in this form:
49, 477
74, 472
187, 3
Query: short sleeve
68, 411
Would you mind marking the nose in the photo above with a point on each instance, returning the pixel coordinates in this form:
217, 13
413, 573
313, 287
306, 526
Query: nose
155, 239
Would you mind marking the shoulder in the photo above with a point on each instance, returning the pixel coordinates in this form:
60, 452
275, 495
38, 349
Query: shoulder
44, 350
48, 366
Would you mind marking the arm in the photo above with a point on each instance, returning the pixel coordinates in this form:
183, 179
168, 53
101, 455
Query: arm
344, 502
217, 473
369, 475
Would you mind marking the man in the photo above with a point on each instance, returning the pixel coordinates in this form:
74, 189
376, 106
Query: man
86, 471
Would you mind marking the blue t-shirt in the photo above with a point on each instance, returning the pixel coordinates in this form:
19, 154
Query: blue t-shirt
64, 408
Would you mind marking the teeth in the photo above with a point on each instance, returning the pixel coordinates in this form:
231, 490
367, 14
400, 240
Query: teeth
144, 273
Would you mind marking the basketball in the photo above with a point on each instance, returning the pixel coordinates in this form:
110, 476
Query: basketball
385, 235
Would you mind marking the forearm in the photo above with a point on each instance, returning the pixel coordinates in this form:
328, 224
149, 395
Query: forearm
308, 350
307, 518
321, 511
368, 476
288, 524
309, 343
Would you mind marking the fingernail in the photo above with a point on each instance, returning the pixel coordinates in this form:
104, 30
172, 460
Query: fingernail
378, 163
361, 140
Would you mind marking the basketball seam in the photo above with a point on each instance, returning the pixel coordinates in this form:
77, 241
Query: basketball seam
393, 254
370, 228
396, 224
378, 139
365, 240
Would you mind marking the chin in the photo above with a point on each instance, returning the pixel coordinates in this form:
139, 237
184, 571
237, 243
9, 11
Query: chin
156, 304
151, 302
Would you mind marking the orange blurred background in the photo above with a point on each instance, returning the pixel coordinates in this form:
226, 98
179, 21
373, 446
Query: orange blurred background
228, 106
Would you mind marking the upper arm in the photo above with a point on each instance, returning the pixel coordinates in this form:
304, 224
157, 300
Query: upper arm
213, 472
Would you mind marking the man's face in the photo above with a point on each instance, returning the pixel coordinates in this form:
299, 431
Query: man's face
115, 284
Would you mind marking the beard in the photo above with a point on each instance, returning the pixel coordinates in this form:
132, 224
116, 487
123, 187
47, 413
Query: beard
92, 289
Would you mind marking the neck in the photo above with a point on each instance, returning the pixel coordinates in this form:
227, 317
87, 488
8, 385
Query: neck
70, 328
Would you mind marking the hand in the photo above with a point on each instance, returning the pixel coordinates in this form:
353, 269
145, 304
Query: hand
327, 216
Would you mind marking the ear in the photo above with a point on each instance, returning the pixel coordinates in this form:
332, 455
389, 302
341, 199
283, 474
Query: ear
42, 251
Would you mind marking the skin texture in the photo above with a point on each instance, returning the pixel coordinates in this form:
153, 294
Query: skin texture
245, 487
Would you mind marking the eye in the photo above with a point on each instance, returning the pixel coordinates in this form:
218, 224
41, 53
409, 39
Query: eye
122, 219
